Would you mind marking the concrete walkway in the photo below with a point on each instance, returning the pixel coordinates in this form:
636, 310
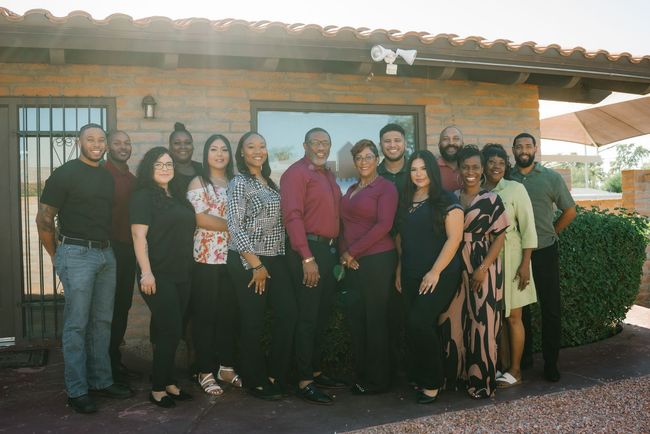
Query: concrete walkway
33, 400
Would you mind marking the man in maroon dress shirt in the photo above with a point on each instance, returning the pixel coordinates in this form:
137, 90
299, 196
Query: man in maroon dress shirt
310, 209
119, 152
450, 142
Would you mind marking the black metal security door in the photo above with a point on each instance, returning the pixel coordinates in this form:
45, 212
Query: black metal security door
45, 138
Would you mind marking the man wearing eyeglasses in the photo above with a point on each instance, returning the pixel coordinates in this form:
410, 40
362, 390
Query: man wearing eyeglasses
81, 193
310, 200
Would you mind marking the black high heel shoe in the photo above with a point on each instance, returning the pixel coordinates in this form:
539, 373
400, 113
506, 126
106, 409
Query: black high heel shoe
423, 398
165, 401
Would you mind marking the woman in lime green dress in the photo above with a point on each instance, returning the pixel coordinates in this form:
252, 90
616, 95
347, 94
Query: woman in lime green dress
521, 239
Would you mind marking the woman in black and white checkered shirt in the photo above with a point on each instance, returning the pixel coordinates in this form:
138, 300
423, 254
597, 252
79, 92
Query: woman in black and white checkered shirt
256, 252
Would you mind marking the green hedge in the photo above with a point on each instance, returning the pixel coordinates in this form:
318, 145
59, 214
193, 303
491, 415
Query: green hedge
601, 261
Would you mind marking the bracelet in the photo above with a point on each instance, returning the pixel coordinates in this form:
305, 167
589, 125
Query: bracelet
483, 268
149, 273
308, 260
259, 267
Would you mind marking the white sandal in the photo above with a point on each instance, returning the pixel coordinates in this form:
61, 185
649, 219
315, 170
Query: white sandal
507, 380
235, 381
209, 384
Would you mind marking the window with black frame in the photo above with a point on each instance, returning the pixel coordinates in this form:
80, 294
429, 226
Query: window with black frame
284, 124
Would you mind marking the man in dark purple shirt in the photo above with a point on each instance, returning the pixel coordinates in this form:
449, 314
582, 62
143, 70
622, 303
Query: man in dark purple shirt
119, 152
310, 210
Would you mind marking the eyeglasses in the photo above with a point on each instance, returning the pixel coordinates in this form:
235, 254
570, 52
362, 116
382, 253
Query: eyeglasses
161, 166
367, 158
323, 143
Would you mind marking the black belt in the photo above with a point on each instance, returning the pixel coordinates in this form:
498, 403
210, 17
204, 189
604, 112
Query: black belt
91, 244
320, 239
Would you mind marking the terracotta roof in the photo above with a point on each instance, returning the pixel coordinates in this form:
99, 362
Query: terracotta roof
156, 23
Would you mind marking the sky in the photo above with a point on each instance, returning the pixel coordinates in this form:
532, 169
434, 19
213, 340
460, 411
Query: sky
615, 26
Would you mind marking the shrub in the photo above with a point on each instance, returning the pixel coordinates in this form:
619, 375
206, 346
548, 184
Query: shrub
601, 262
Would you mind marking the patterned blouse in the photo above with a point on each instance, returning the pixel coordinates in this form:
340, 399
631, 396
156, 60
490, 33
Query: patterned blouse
210, 247
254, 218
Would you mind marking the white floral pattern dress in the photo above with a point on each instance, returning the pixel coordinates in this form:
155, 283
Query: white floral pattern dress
210, 247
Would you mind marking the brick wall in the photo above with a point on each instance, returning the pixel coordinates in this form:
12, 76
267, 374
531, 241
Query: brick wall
636, 196
210, 101
603, 204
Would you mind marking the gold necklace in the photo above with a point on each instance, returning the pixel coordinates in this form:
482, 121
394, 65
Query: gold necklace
364, 185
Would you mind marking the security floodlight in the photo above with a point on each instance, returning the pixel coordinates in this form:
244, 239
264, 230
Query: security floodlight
407, 55
379, 53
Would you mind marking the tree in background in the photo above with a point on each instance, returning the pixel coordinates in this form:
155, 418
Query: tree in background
596, 174
628, 156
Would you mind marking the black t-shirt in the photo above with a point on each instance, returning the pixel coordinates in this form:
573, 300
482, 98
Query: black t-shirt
421, 244
183, 181
83, 194
170, 237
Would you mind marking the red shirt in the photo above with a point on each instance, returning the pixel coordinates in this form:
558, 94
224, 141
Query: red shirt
309, 197
450, 178
124, 184
368, 218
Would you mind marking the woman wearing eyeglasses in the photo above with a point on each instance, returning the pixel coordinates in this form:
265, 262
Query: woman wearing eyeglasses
162, 226
367, 212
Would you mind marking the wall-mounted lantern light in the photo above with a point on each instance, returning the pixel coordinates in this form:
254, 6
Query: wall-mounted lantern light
149, 106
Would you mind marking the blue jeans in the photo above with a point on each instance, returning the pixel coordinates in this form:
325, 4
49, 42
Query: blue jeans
88, 278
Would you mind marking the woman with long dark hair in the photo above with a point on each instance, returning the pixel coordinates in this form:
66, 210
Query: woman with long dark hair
430, 225
213, 302
521, 239
368, 251
162, 226
256, 253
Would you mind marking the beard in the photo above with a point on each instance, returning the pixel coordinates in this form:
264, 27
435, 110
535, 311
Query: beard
447, 156
393, 159
526, 163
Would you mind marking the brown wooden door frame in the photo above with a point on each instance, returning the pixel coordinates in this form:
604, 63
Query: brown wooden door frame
11, 272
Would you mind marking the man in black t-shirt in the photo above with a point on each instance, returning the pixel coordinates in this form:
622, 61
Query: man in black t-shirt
80, 192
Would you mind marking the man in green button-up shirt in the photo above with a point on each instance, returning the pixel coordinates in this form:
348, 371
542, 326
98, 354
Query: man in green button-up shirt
547, 191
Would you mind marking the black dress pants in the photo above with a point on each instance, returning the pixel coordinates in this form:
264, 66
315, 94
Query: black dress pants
167, 307
425, 348
314, 307
213, 311
546, 272
124, 284
366, 305
252, 308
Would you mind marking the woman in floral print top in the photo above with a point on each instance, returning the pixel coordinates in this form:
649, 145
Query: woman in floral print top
213, 298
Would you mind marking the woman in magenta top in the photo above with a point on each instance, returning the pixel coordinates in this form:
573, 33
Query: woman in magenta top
368, 251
